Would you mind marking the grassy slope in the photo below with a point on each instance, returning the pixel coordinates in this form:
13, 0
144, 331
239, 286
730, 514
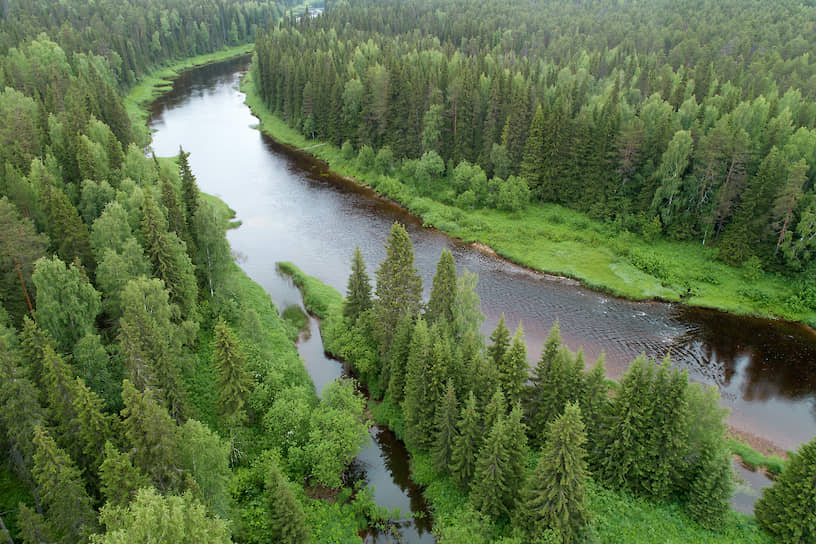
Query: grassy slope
617, 516
558, 240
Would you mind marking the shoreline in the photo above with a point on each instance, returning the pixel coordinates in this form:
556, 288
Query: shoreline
263, 115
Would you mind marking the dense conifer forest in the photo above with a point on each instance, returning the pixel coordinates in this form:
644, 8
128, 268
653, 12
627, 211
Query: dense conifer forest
689, 121
150, 391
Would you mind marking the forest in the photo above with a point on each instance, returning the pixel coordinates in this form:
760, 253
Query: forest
150, 391
690, 122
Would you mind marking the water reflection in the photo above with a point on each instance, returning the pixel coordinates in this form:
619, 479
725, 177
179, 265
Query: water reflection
292, 209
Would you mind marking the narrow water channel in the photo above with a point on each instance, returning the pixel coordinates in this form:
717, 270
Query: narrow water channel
294, 210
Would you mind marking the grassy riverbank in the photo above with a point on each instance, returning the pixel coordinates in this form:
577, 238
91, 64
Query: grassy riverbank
617, 516
561, 241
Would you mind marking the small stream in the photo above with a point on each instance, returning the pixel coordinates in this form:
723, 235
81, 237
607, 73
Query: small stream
384, 464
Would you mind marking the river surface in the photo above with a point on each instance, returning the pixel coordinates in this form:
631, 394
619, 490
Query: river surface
292, 209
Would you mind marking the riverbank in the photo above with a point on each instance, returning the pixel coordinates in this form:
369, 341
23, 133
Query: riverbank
160, 81
556, 240
617, 516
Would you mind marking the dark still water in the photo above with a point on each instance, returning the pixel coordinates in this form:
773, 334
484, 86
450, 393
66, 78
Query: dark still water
292, 210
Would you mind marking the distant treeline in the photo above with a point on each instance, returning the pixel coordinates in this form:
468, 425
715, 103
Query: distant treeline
696, 118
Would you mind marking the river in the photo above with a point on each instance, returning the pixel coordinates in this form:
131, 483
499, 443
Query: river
293, 210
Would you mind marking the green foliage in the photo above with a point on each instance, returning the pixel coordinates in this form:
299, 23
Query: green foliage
20, 247
446, 435
785, 509
556, 492
152, 516
466, 444
205, 457
490, 491
287, 520
233, 380
443, 291
358, 292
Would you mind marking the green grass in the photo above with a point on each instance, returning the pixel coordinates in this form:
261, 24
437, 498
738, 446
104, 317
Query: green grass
160, 80
753, 459
318, 297
557, 240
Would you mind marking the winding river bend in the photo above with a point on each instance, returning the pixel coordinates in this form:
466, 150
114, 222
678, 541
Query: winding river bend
292, 209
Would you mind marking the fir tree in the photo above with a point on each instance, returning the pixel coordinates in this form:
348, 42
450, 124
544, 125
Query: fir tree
233, 381
594, 403
358, 292
515, 432
399, 285
556, 495
466, 443
443, 293
287, 520
189, 191
175, 215
712, 487
446, 413
786, 509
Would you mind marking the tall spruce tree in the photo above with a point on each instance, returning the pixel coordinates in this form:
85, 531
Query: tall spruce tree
441, 305
394, 367
712, 487
287, 521
233, 383
446, 414
358, 292
466, 444
490, 490
555, 495
499, 343
513, 373
119, 479
189, 191
399, 285
418, 411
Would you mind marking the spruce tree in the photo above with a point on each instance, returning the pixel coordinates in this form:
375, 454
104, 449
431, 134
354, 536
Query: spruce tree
418, 411
669, 431
440, 366
175, 215
358, 292
561, 384
555, 496
393, 375
500, 342
594, 403
399, 285
119, 479
152, 438
513, 373
446, 414
94, 426
443, 293
496, 409
515, 432
712, 487
786, 509
233, 382
491, 490
287, 520
189, 191
466, 443
68, 507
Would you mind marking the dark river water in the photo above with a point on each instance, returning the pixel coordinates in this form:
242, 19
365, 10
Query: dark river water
293, 210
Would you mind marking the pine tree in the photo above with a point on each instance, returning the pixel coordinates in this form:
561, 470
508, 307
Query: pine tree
233, 381
67, 505
358, 292
418, 411
152, 438
513, 373
500, 341
555, 495
287, 520
443, 292
446, 413
491, 486
786, 509
466, 444
399, 285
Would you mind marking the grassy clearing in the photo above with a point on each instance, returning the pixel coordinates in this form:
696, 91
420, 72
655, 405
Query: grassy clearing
160, 80
557, 240
617, 516
751, 458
